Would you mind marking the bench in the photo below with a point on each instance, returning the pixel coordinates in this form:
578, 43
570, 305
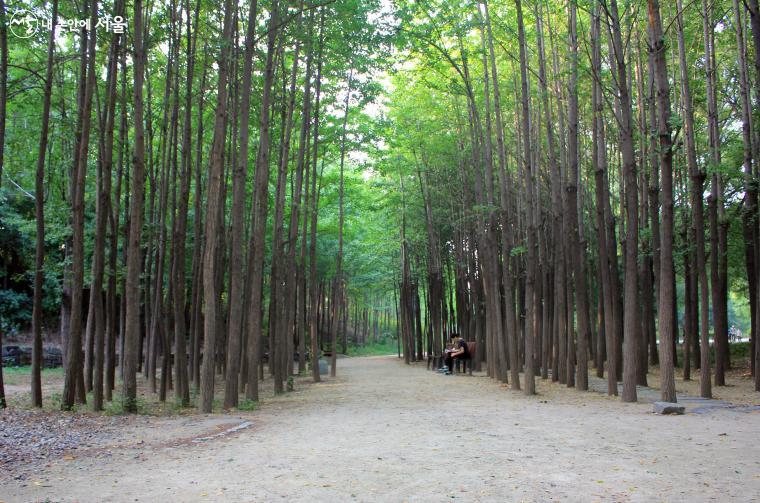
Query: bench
437, 361
469, 362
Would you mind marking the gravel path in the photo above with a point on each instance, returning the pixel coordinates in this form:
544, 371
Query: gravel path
27, 436
383, 431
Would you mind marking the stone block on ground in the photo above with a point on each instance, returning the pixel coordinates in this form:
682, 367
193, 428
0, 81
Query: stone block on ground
668, 408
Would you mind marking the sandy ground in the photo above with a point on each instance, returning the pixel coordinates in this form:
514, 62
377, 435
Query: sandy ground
383, 431
739, 387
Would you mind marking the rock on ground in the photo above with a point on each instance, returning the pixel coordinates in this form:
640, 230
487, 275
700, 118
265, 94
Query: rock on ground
668, 408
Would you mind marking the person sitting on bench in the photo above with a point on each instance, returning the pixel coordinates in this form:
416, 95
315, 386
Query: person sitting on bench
458, 350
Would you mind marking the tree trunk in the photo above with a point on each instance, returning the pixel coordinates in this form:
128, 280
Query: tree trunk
337, 294
666, 324
73, 365
754, 12
631, 300
600, 168
103, 208
236, 297
211, 294
577, 243
132, 293
313, 320
39, 202
4, 83
749, 210
530, 384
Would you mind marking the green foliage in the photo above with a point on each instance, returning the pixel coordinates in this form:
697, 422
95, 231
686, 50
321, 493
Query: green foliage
740, 350
17, 239
517, 251
247, 405
15, 310
388, 346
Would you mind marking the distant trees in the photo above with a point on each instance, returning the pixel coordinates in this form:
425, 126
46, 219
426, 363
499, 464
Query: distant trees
523, 151
183, 286
599, 166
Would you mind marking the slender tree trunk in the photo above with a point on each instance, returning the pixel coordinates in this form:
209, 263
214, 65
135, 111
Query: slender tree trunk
295, 304
646, 280
182, 388
754, 13
103, 208
115, 304
39, 200
508, 353
280, 330
214, 214
73, 364
3, 99
337, 295
313, 296
3, 85
530, 384
714, 200
697, 181
666, 322
631, 301
236, 297
259, 216
749, 210
600, 168
577, 243
132, 293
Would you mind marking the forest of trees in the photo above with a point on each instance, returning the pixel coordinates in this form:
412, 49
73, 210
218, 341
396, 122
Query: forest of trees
588, 175
224, 189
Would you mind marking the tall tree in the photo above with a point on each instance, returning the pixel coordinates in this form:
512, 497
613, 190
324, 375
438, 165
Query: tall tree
39, 205
74, 348
259, 216
132, 325
313, 215
530, 384
236, 297
103, 208
625, 126
666, 322
697, 190
338, 290
577, 242
182, 388
214, 214
3, 83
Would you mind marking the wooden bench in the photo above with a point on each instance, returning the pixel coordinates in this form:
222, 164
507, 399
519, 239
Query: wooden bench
469, 362
435, 362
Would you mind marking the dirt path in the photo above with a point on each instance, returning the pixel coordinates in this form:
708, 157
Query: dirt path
376, 434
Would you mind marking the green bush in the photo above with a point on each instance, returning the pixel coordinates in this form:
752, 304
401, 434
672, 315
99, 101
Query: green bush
15, 311
387, 346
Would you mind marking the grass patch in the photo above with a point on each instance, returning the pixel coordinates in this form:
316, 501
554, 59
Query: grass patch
21, 375
740, 353
740, 349
387, 346
247, 405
